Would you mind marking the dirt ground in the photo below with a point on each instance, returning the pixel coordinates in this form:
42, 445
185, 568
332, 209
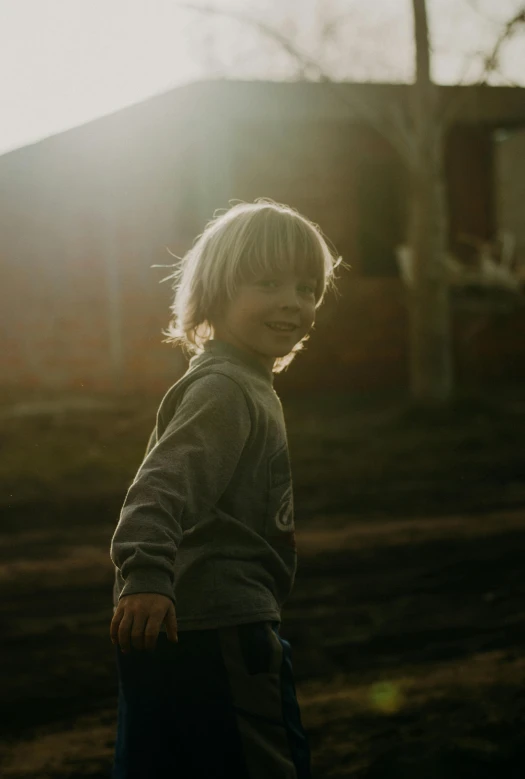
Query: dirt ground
407, 621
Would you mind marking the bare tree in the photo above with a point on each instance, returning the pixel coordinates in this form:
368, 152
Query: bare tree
417, 132
430, 328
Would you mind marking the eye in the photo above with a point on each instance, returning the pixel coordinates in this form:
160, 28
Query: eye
266, 282
309, 288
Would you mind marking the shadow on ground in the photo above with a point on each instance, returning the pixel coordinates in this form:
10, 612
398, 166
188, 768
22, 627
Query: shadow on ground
407, 621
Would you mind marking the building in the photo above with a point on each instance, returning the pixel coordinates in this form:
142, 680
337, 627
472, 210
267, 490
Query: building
86, 213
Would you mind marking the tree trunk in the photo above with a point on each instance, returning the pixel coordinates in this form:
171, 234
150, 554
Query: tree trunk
431, 379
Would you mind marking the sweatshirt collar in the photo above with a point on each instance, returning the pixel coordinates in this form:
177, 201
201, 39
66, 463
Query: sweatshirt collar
230, 352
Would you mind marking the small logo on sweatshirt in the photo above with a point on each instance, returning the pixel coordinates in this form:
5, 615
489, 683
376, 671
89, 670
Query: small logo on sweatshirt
284, 517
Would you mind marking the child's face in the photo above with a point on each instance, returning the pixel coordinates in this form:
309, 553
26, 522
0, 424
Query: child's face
280, 297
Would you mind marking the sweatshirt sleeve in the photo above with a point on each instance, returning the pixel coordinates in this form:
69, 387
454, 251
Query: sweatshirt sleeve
186, 472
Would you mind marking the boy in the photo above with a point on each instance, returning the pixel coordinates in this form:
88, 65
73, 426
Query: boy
204, 549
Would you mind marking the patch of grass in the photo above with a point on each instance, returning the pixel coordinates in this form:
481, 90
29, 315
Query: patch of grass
370, 454
72, 452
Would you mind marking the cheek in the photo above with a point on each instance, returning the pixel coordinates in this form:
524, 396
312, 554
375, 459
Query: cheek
244, 316
254, 308
310, 312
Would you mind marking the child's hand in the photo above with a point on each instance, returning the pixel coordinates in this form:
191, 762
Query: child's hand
138, 618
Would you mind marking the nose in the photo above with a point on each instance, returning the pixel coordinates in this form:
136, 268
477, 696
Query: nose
290, 299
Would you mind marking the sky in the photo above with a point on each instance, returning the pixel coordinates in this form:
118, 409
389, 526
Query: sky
66, 62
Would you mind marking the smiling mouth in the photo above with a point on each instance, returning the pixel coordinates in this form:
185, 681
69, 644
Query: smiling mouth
281, 327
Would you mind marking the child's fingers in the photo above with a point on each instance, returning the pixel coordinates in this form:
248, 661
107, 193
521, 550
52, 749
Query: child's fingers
171, 625
138, 631
124, 633
113, 628
151, 633
138, 622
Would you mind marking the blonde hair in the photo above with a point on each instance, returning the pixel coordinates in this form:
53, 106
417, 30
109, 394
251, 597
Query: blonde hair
247, 240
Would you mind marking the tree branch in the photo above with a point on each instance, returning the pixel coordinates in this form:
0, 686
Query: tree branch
267, 30
509, 29
473, 6
491, 65
391, 123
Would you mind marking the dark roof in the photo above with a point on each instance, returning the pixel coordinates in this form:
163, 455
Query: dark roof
290, 100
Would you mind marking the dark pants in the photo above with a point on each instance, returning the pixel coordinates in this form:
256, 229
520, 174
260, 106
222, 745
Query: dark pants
219, 704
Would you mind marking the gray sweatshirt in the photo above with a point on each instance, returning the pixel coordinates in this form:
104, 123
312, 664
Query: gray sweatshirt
208, 520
